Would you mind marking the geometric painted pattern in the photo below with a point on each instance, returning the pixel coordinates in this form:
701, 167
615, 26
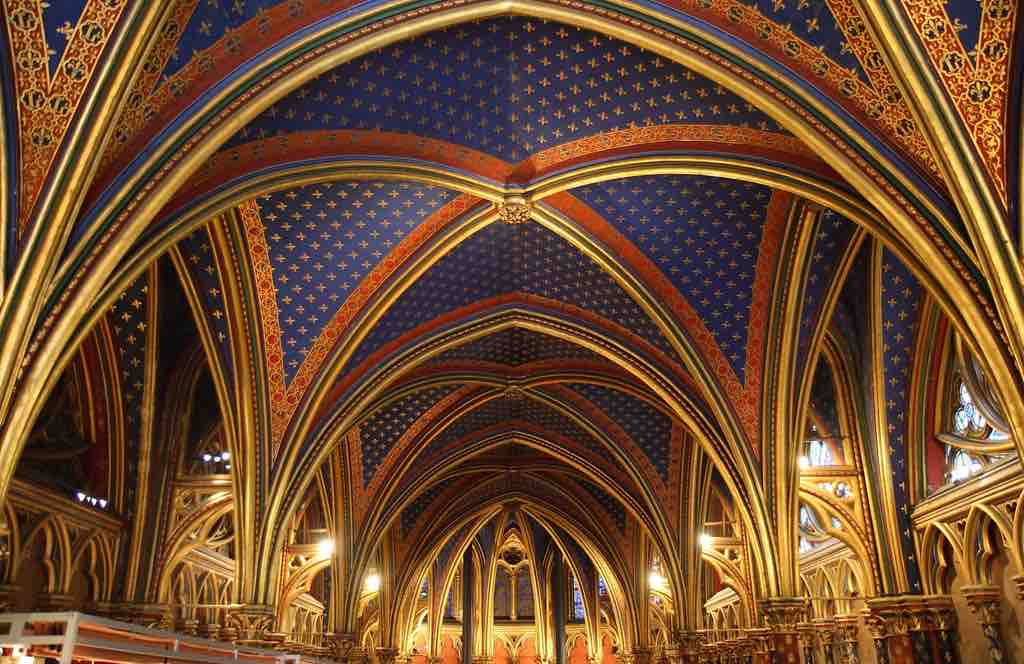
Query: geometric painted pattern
551, 420
510, 258
323, 239
507, 87
485, 538
198, 255
503, 409
411, 514
541, 539
490, 414
966, 18
515, 347
209, 21
59, 21
649, 428
449, 547
853, 311
580, 560
524, 593
812, 21
704, 234
901, 297
611, 505
830, 242
380, 432
129, 322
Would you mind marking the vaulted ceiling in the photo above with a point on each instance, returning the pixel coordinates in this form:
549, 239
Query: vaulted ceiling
580, 248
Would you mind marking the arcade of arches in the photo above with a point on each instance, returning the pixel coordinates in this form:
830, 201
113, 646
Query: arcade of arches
494, 331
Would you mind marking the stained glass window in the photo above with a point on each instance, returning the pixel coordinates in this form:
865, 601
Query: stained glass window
962, 465
819, 453
968, 422
967, 419
577, 600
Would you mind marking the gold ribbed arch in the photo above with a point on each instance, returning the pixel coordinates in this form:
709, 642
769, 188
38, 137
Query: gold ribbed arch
915, 246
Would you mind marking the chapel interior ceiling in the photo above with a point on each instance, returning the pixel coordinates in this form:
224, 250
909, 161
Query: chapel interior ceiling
511, 278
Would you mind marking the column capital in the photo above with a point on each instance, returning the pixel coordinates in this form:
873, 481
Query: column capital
642, 655
340, 644
783, 613
824, 629
913, 613
387, 655
847, 626
188, 626
806, 632
251, 622
761, 639
210, 631
878, 627
983, 602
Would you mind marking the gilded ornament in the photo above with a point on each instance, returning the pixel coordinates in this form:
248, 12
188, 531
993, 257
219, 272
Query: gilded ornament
514, 213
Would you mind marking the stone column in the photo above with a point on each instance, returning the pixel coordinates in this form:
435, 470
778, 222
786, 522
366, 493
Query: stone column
8, 596
805, 632
746, 650
889, 620
210, 631
228, 632
159, 616
921, 630
689, 644
642, 655
187, 626
276, 639
339, 644
358, 655
945, 632
847, 627
732, 651
914, 628
167, 622
880, 632
762, 644
101, 609
984, 603
782, 615
54, 602
252, 622
824, 629
387, 655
